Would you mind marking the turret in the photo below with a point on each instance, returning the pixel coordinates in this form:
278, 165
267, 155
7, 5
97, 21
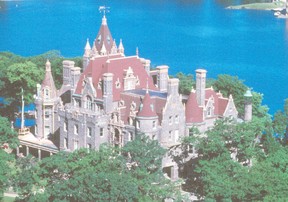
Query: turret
46, 103
248, 106
200, 86
147, 119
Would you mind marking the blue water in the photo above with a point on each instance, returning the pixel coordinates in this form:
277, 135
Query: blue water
184, 34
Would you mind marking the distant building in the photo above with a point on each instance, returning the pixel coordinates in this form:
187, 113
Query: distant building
117, 96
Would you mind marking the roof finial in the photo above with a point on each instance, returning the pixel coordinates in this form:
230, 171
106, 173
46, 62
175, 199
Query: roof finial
104, 10
137, 51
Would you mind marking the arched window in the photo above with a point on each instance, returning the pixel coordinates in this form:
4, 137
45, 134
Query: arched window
46, 93
89, 102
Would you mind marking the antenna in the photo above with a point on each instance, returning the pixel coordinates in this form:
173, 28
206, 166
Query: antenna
104, 10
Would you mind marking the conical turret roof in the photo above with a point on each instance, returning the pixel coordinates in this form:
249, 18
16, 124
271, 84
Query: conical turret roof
146, 108
104, 37
48, 81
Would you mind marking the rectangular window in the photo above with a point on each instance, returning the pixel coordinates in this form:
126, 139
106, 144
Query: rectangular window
130, 136
46, 115
65, 143
176, 134
65, 128
154, 124
176, 119
170, 120
76, 129
101, 132
89, 131
170, 135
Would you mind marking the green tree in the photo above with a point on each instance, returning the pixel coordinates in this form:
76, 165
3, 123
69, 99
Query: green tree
102, 175
185, 82
8, 140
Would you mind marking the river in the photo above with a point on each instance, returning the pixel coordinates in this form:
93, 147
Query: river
184, 34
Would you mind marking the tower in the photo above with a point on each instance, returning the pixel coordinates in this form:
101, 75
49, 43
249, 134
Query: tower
248, 106
200, 86
46, 102
147, 119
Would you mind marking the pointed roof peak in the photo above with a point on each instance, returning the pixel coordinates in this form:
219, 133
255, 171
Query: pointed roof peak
87, 47
147, 108
104, 20
48, 65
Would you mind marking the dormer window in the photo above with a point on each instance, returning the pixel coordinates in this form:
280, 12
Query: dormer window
209, 111
117, 83
89, 102
108, 39
99, 39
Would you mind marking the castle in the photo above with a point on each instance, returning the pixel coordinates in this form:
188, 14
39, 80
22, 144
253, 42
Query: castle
116, 97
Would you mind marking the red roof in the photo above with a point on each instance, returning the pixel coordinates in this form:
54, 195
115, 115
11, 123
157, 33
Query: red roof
194, 113
220, 103
117, 65
147, 109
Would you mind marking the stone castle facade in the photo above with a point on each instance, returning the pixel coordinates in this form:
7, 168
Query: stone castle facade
115, 97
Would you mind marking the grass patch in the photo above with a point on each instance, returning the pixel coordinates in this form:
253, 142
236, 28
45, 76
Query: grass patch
8, 199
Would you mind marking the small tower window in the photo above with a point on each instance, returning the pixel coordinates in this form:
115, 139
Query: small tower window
154, 124
46, 94
170, 120
176, 119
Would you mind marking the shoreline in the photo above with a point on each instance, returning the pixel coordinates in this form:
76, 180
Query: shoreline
260, 6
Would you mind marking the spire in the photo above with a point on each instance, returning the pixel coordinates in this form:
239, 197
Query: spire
48, 66
87, 47
114, 48
104, 36
137, 51
121, 47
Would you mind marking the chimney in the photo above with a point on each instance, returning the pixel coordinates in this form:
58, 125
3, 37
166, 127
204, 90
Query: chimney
163, 77
173, 85
200, 86
108, 92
